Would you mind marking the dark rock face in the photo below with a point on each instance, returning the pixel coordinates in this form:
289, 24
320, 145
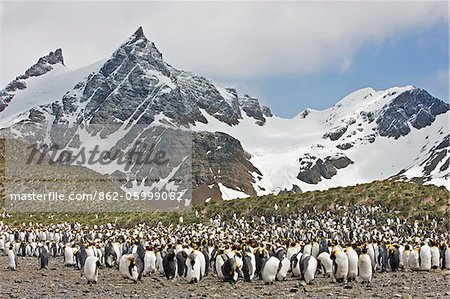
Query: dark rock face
445, 165
414, 107
266, 111
253, 109
437, 155
444, 144
344, 146
293, 190
313, 172
368, 116
433, 161
336, 133
219, 158
202, 94
43, 66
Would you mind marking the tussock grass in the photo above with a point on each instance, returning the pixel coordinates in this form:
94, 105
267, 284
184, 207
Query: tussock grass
407, 200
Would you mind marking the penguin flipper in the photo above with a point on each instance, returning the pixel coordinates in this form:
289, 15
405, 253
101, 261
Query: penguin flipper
130, 269
335, 267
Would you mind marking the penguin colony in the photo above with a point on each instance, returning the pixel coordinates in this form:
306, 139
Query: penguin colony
346, 244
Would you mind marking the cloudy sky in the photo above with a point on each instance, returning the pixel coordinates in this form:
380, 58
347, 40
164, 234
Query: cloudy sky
292, 55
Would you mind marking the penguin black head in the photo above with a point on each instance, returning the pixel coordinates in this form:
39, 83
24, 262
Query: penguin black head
364, 248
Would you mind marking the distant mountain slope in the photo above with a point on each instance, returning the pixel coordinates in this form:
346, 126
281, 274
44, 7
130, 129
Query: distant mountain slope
240, 148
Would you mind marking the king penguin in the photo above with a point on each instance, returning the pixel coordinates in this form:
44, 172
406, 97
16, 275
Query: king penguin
365, 266
91, 269
308, 268
43, 257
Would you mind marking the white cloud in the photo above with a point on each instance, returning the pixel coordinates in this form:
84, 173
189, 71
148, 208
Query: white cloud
227, 40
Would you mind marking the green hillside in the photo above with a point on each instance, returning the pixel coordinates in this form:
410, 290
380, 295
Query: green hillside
408, 200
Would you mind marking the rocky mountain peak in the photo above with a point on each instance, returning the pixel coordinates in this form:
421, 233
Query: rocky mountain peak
44, 65
137, 50
139, 33
412, 108
253, 109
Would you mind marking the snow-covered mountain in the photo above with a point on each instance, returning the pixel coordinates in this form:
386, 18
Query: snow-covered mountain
239, 148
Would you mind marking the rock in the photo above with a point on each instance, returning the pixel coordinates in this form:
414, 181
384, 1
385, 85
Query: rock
293, 290
345, 146
414, 107
219, 157
313, 169
253, 109
336, 133
348, 286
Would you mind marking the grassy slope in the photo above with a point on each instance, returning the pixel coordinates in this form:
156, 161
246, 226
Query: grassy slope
408, 199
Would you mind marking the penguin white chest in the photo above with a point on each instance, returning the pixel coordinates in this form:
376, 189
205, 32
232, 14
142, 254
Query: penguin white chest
414, 260
12, 260
219, 264
193, 269
326, 262
310, 271
283, 270
352, 263
447, 258
149, 262
270, 270
90, 269
425, 258
69, 258
365, 268
341, 270
435, 256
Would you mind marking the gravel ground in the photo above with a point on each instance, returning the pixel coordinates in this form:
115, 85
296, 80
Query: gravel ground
66, 282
